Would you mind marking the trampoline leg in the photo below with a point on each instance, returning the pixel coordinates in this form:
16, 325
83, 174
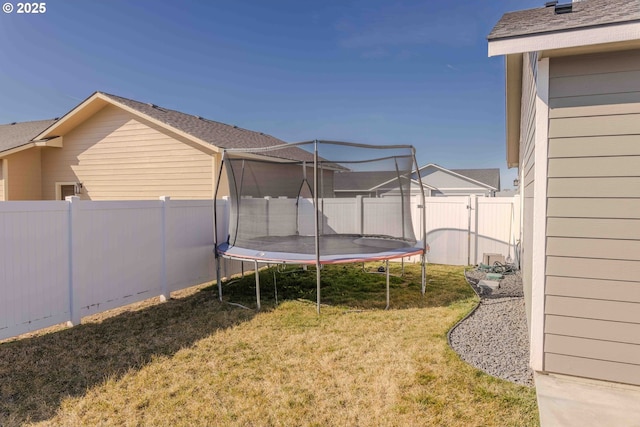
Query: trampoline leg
275, 284
387, 269
257, 286
318, 286
424, 274
218, 279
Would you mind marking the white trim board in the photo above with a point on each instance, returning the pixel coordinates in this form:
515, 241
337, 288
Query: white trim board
539, 217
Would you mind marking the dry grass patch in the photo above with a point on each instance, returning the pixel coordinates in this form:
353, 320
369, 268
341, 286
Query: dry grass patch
284, 366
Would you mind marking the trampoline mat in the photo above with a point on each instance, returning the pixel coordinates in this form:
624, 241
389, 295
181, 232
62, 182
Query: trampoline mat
333, 248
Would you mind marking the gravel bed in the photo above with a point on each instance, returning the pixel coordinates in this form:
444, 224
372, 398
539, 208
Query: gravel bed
494, 338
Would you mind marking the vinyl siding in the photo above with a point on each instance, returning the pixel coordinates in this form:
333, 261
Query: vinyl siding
118, 156
592, 303
527, 150
23, 175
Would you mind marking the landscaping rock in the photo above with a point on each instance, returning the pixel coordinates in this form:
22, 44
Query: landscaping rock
494, 338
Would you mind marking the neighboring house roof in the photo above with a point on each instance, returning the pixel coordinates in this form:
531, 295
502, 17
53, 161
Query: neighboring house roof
371, 181
14, 135
216, 133
490, 177
366, 182
360, 181
209, 133
588, 13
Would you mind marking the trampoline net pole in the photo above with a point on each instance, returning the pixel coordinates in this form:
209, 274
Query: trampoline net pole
423, 200
317, 222
215, 228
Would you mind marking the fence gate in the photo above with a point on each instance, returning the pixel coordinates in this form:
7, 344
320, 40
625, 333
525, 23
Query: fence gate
460, 230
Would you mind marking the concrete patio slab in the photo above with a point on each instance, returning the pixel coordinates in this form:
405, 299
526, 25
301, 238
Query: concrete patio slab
569, 401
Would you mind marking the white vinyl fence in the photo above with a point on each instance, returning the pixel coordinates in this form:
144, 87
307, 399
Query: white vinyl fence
460, 230
62, 260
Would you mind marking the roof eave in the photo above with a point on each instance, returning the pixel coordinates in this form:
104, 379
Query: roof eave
566, 38
96, 102
620, 35
17, 149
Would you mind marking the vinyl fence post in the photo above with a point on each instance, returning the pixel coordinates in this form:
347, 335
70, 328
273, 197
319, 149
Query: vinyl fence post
165, 295
74, 276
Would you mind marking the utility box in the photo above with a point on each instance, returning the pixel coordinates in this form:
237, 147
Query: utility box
490, 259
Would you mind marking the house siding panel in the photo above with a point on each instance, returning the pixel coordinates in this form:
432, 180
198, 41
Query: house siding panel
118, 156
597, 369
592, 303
594, 208
596, 146
594, 329
23, 175
527, 170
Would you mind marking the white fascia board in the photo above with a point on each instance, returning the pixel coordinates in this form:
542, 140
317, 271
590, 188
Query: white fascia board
53, 142
538, 267
565, 39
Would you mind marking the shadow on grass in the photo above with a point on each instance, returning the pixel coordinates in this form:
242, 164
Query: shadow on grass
37, 373
353, 286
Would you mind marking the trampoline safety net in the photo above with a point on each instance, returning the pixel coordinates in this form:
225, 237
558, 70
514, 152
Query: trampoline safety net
363, 195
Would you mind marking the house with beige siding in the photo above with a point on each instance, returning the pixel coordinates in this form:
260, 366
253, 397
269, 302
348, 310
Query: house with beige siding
573, 132
114, 148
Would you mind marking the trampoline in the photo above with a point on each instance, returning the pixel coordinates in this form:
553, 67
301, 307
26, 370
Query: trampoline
321, 202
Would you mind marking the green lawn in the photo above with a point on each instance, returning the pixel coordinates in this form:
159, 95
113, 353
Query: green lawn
195, 361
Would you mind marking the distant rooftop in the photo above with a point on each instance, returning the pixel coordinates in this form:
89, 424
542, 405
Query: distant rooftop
490, 177
14, 135
216, 133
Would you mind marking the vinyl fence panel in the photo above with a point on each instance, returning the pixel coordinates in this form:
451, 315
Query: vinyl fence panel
497, 227
189, 243
34, 266
447, 229
117, 253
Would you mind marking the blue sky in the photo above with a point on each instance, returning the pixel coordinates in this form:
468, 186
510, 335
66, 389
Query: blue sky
380, 72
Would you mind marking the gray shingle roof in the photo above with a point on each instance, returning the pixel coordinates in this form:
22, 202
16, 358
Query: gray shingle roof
17, 134
490, 177
586, 13
215, 133
360, 181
